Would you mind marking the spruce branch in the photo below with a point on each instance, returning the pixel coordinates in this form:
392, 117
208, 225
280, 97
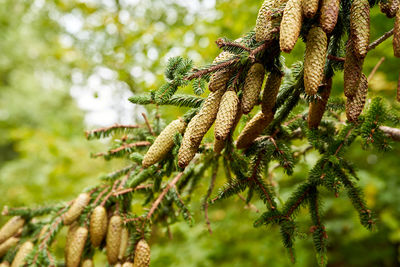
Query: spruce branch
381, 39
107, 131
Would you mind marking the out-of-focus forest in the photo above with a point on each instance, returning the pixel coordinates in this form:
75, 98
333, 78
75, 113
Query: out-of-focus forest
70, 65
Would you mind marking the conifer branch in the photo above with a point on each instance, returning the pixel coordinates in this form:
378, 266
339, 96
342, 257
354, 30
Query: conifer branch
107, 131
213, 68
380, 40
148, 124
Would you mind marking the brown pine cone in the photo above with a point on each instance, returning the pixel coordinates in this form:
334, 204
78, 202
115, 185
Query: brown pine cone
270, 92
266, 22
310, 7
163, 143
352, 71
76, 245
252, 87
329, 14
6, 245
124, 243
113, 239
355, 104
291, 25
253, 129
11, 228
142, 254
396, 35
314, 62
390, 7
226, 115
23, 252
317, 109
98, 225
76, 208
359, 27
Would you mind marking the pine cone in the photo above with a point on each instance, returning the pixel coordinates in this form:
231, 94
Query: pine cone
355, 105
4, 264
23, 252
113, 239
314, 62
98, 225
219, 145
70, 236
329, 14
252, 87
359, 27
6, 245
87, 263
310, 7
352, 71
206, 117
396, 35
226, 115
76, 208
398, 90
253, 129
187, 151
270, 92
264, 21
220, 78
128, 264
124, 243
76, 246
291, 25
317, 109
390, 7
163, 143
11, 228
142, 254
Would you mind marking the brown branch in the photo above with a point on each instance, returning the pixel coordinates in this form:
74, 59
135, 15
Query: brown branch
222, 43
214, 68
148, 124
335, 58
115, 126
110, 193
373, 71
162, 195
209, 192
128, 190
380, 40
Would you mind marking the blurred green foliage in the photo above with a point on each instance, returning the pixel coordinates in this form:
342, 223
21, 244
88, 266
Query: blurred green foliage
45, 158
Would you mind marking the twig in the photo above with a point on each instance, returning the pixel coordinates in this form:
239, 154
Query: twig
148, 124
162, 195
203, 72
335, 58
128, 190
249, 205
123, 147
115, 126
209, 192
110, 193
222, 43
380, 40
373, 71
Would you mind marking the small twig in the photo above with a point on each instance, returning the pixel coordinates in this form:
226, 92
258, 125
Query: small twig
373, 71
148, 124
222, 43
162, 195
380, 40
126, 146
335, 58
128, 190
110, 193
249, 205
214, 68
209, 192
115, 126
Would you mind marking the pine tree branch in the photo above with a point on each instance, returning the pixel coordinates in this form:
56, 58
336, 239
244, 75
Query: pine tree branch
378, 41
121, 148
148, 124
214, 68
222, 43
104, 130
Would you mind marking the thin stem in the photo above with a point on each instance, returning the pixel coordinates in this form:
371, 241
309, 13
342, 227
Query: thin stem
115, 126
148, 124
380, 39
373, 71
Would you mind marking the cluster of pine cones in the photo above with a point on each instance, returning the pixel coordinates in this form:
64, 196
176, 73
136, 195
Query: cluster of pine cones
223, 105
100, 227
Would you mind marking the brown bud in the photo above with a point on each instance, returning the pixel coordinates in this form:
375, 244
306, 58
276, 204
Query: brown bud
355, 104
11, 228
317, 108
23, 252
329, 14
314, 62
253, 129
76, 208
390, 7
352, 71
142, 254
359, 27
113, 239
226, 115
310, 7
396, 35
163, 143
76, 245
270, 92
124, 243
252, 87
87, 263
291, 25
6, 245
98, 225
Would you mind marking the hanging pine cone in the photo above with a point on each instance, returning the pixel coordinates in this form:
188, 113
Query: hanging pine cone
264, 24
396, 35
113, 239
390, 7
226, 115
252, 87
70, 236
352, 71
291, 25
6, 245
253, 129
76, 245
270, 92
87, 263
128, 264
317, 109
76, 208
314, 62
355, 105
219, 79
163, 143
124, 243
142, 254
98, 225
11, 228
310, 7
329, 14
23, 252
219, 145
188, 149
359, 27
